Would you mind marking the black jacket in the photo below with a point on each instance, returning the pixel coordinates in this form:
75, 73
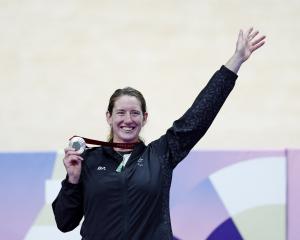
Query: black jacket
134, 204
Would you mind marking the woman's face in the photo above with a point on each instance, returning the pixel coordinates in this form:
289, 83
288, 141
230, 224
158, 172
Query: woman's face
127, 119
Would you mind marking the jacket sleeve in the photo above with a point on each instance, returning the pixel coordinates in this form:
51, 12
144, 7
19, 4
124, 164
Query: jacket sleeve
189, 129
68, 206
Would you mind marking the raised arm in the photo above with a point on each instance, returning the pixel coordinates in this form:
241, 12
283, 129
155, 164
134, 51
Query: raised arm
190, 128
248, 41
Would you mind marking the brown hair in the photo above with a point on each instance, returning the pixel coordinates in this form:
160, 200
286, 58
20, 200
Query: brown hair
128, 91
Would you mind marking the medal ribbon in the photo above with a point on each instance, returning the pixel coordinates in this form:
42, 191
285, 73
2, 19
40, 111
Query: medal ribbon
109, 144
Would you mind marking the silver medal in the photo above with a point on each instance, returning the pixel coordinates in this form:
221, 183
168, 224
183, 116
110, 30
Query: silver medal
78, 144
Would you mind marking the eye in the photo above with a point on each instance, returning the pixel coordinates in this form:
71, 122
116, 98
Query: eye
120, 112
135, 113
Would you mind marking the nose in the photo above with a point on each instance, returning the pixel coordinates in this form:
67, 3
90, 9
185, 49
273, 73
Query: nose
127, 118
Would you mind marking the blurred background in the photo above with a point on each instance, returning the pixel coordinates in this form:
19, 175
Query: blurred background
60, 61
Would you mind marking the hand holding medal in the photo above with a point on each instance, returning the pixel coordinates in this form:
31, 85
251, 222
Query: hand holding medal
77, 146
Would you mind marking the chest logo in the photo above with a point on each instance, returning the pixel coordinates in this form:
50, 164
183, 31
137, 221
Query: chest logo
100, 168
140, 162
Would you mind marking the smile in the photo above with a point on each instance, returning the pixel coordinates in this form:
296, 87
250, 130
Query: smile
127, 129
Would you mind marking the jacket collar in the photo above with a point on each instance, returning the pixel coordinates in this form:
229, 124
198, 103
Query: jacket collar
136, 153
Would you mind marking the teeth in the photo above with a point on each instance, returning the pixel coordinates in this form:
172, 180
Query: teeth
127, 128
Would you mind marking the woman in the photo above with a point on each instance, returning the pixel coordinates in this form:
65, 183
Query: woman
123, 193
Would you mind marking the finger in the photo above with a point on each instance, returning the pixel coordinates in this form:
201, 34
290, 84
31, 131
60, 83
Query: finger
73, 157
258, 40
68, 149
249, 31
71, 151
253, 35
74, 162
71, 161
257, 46
240, 35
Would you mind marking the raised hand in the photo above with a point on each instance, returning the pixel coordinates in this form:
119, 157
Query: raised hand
246, 44
72, 162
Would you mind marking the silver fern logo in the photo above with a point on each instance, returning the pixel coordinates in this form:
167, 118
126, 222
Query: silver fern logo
140, 162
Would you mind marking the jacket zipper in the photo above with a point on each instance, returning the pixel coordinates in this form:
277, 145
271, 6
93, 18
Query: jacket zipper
125, 205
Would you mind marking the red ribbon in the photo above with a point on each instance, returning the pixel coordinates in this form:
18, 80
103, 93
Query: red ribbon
109, 144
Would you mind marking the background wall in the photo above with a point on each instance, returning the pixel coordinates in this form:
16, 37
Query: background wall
61, 60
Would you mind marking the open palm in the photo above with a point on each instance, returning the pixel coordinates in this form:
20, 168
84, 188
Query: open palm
248, 42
